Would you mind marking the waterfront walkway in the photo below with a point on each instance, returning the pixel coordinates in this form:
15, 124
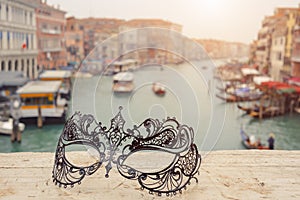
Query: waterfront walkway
223, 175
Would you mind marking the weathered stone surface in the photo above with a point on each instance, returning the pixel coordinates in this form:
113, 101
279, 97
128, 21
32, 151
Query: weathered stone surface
223, 175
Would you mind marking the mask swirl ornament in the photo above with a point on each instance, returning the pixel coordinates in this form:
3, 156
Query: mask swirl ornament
114, 146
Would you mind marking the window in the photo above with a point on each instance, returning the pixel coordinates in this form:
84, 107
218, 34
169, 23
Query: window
22, 65
32, 38
0, 39
16, 65
7, 10
25, 15
2, 66
281, 40
279, 56
8, 40
30, 18
44, 26
9, 65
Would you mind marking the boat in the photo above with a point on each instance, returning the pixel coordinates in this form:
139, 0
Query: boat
42, 99
158, 89
123, 82
6, 127
267, 112
248, 110
228, 98
240, 94
59, 75
122, 66
250, 142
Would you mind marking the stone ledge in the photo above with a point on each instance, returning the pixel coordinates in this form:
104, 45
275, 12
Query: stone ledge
223, 175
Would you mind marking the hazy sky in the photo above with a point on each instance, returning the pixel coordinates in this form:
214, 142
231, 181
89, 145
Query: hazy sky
232, 20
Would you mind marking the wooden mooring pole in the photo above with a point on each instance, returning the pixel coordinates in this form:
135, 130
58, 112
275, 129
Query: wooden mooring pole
16, 133
40, 118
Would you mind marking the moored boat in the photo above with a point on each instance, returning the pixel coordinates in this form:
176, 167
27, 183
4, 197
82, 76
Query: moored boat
6, 127
42, 99
59, 75
267, 112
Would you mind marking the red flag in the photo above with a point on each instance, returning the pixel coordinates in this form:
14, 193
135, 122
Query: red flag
24, 46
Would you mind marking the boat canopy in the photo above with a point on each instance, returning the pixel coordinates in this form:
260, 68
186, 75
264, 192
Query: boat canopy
50, 74
125, 62
123, 76
249, 72
260, 79
35, 87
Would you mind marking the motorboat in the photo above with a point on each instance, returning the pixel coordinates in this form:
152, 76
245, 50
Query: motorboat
123, 82
158, 89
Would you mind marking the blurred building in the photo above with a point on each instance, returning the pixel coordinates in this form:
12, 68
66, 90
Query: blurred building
296, 50
50, 21
275, 42
18, 49
252, 52
278, 48
291, 14
144, 33
83, 35
224, 49
264, 42
74, 36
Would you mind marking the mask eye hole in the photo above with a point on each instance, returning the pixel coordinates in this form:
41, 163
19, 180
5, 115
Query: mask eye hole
147, 161
80, 155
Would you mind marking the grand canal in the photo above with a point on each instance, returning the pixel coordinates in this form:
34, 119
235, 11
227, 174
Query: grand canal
190, 97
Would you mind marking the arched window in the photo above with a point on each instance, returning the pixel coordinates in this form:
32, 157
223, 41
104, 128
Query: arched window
22, 65
2, 66
16, 65
9, 66
28, 75
33, 68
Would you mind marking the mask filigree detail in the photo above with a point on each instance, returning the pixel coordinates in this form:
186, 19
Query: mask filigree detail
114, 146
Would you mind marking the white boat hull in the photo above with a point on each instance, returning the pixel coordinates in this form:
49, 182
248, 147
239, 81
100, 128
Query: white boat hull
6, 127
46, 112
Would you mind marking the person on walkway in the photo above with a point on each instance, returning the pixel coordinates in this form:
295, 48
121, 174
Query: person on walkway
271, 140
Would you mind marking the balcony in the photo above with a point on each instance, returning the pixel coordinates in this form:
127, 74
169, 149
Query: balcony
296, 59
51, 49
297, 39
51, 31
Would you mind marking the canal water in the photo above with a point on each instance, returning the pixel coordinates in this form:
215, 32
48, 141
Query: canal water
190, 97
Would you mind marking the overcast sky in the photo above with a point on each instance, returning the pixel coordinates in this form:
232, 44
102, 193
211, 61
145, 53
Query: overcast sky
232, 20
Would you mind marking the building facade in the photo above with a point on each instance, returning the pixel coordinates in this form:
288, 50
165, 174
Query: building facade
278, 48
296, 51
274, 44
50, 22
264, 42
83, 35
291, 15
18, 43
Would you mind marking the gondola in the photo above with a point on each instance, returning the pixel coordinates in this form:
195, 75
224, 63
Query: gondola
249, 142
